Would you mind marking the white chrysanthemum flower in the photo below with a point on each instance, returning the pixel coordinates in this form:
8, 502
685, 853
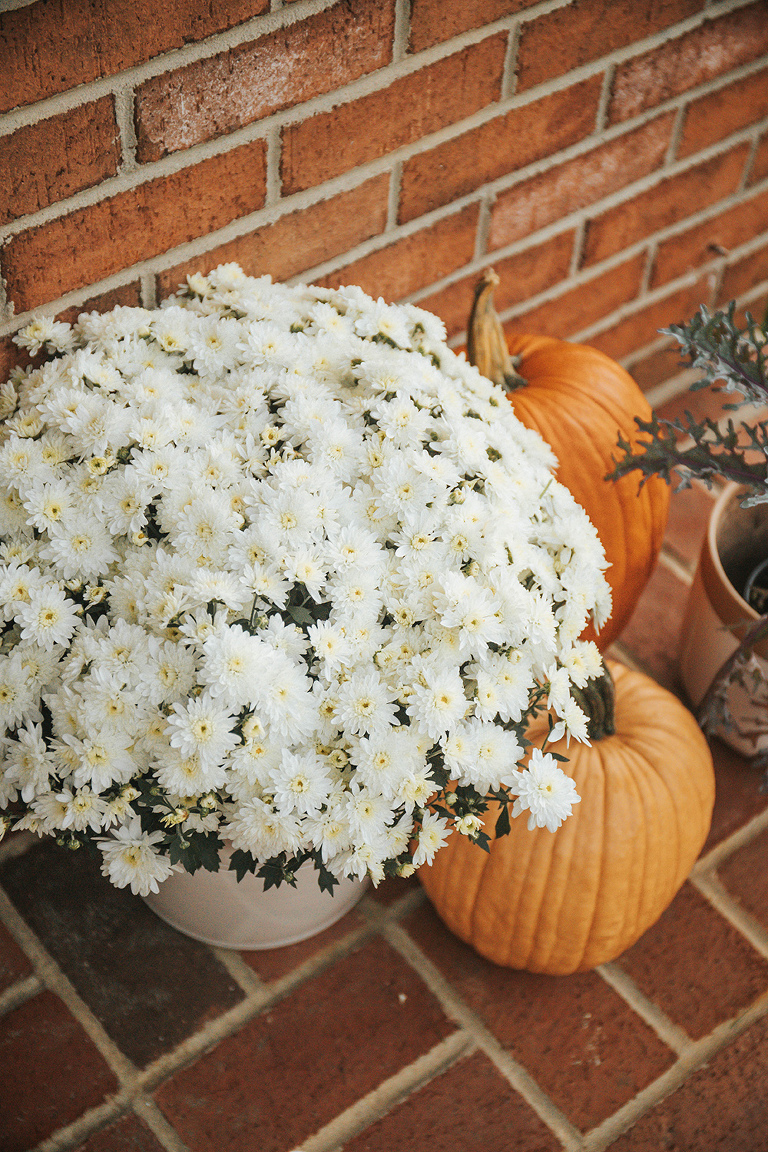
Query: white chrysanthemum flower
276, 550
433, 834
544, 790
131, 859
49, 617
202, 727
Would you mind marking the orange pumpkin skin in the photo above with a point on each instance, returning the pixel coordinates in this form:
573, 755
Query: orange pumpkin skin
579, 400
567, 901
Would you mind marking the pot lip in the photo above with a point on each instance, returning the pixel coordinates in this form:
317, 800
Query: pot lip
730, 606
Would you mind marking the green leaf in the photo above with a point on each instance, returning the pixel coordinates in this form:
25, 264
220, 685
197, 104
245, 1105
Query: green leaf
503, 826
242, 862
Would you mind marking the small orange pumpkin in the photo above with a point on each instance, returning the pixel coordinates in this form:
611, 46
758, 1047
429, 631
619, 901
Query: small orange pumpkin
567, 901
580, 401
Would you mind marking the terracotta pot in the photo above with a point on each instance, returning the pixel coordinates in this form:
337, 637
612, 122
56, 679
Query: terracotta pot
717, 615
217, 909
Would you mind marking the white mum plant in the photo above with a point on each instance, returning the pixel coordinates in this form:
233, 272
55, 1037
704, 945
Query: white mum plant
278, 568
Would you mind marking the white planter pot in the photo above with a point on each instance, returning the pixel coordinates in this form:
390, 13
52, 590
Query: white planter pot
217, 909
736, 540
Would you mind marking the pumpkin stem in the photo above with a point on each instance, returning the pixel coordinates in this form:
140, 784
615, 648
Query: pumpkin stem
597, 699
486, 346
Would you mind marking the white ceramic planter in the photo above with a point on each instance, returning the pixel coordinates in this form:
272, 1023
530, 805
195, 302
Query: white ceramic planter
217, 909
736, 540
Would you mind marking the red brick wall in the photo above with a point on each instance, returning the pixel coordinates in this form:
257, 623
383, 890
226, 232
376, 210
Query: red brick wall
608, 157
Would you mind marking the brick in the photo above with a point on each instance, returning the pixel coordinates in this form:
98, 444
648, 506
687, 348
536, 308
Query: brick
718, 114
212, 97
55, 158
651, 636
711, 240
689, 510
759, 168
273, 963
496, 1119
742, 276
497, 148
695, 965
127, 1135
414, 106
393, 889
656, 368
127, 296
298, 240
53, 45
712, 49
330, 1042
149, 986
670, 200
14, 965
433, 22
706, 403
738, 798
93, 242
415, 261
579, 1040
583, 306
723, 1106
52, 1072
743, 875
523, 275
643, 326
585, 30
548, 197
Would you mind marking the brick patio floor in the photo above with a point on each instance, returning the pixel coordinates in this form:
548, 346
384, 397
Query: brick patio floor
386, 1034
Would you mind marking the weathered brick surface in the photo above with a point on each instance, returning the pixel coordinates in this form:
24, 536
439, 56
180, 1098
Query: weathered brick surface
744, 876
149, 986
433, 21
497, 1120
414, 106
54, 45
651, 636
586, 30
52, 1072
759, 169
127, 1135
534, 203
578, 308
296, 1066
644, 325
497, 148
738, 796
695, 966
714, 238
742, 275
716, 115
14, 964
212, 97
299, 240
93, 242
656, 367
523, 275
55, 158
667, 202
581, 1042
723, 1106
682, 63
415, 261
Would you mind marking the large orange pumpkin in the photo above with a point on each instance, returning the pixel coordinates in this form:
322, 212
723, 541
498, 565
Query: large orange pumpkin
581, 401
567, 901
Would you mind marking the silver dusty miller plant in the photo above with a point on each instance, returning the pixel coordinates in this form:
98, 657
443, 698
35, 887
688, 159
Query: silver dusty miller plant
731, 360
